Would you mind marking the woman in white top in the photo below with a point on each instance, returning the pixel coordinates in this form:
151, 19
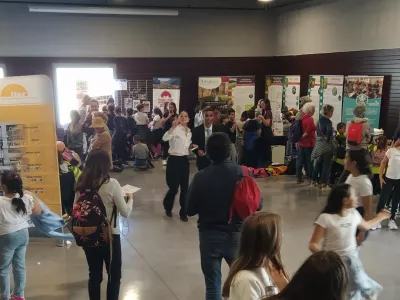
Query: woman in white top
142, 120
96, 176
258, 272
156, 131
15, 209
358, 163
390, 182
337, 226
179, 137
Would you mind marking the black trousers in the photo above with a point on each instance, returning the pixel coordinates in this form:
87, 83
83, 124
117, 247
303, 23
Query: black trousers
391, 186
177, 176
165, 148
95, 257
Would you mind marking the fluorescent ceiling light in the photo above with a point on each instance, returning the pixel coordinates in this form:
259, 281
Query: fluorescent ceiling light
265, 0
65, 9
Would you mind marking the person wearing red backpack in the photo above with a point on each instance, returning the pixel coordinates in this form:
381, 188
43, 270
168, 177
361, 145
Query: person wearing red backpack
213, 196
358, 134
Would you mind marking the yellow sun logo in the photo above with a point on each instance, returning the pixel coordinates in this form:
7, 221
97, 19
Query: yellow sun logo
13, 90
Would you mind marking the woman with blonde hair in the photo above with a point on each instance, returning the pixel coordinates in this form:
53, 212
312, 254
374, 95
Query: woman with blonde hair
258, 271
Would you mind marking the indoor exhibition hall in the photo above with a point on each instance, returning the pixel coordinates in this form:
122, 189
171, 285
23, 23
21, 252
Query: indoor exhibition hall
199, 149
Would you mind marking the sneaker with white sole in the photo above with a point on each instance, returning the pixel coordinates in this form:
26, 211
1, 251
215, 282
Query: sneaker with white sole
377, 226
392, 225
164, 162
375, 296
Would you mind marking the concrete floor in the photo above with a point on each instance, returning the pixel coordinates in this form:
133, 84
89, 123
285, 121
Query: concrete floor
161, 256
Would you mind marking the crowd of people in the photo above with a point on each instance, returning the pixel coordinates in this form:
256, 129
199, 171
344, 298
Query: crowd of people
97, 143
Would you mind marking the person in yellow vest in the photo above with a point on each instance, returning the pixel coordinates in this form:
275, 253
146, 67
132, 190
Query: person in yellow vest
378, 152
339, 152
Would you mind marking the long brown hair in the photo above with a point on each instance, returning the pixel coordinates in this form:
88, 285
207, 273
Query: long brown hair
322, 276
96, 171
260, 245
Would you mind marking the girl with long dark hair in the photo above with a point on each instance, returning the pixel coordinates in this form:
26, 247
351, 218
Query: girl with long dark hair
156, 131
358, 164
96, 176
15, 209
337, 226
323, 276
258, 271
168, 118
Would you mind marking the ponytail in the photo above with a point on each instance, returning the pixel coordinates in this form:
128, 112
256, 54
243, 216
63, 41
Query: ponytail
18, 203
12, 181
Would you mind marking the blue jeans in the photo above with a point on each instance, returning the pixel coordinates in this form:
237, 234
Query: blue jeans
361, 286
215, 246
304, 160
12, 251
322, 168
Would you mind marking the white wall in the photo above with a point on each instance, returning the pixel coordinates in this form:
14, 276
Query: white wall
346, 25
199, 33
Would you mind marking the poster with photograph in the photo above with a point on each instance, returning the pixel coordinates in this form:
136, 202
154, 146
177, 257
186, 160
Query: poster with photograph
327, 89
166, 90
227, 92
135, 103
146, 106
28, 135
82, 87
284, 93
128, 103
363, 90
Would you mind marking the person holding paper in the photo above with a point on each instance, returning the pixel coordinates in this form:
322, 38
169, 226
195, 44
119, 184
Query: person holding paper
179, 138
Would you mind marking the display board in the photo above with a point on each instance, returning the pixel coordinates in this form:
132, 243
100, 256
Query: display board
227, 92
166, 90
283, 92
363, 90
28, 135
327, 89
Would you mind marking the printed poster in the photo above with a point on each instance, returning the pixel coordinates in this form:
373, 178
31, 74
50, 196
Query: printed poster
284, 93
327, 89
166, 90
28, 135
82, 87
227, 92
146, 106
128, 103
135, 103
363, 90
121, 84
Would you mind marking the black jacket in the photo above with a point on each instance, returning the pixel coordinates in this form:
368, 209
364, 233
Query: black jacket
199, 139
210, 196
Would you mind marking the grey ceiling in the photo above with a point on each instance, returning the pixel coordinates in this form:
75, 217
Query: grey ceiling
218, 4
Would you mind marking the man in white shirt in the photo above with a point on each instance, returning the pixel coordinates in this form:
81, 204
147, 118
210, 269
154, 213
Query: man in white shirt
200, 136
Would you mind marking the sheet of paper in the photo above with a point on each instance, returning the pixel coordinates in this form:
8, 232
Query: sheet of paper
130, 189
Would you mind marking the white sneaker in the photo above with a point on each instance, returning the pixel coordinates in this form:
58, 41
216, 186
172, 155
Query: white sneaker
164, 162
392, 225
377, 226
375, 296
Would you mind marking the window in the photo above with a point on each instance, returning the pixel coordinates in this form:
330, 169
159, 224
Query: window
75, 81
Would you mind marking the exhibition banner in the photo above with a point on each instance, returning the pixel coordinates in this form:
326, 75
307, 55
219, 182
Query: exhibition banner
166, 90
227, 92
327, 89
284, 93
28, 135
363, 90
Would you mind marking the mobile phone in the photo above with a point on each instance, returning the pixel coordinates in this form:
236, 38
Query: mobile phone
194, 148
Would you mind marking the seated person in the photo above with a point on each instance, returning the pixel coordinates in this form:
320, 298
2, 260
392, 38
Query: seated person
141, 154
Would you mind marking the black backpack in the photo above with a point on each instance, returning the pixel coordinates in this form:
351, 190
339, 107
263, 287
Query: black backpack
295, 131
89, 224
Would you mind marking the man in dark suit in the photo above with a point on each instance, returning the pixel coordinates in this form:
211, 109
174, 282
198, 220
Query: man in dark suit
200, 135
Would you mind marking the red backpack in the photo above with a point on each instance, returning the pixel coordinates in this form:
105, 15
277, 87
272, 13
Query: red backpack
246, 198
354, 134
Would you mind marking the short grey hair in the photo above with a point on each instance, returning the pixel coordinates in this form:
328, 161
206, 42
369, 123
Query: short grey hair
326, 108
303, 100
308, 107
359, 111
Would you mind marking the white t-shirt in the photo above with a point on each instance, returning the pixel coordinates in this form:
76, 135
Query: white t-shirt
393, 170
111, 193
362, 186
141, 118
156, 123
10, 220
252, 285
340, 231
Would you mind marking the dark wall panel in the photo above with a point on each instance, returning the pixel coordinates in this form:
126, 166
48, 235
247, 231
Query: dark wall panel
376, 62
